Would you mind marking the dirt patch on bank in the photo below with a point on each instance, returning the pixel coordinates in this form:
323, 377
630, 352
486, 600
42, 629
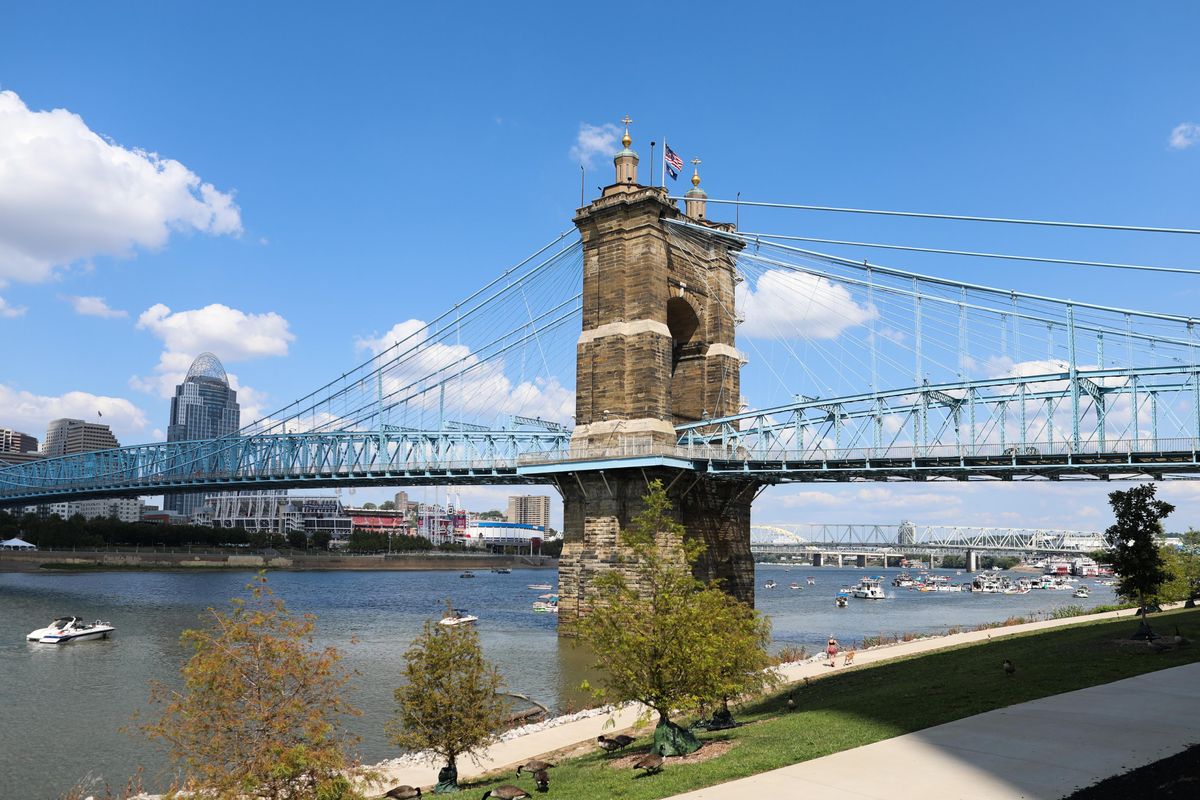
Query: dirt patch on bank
707, 752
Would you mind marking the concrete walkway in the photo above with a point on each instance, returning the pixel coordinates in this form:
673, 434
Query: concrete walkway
1045, 748
516, 751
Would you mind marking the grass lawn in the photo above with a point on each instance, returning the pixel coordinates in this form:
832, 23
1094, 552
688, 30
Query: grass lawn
869, 703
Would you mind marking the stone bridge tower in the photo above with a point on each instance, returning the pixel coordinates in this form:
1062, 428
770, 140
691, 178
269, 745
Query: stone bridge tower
656, 350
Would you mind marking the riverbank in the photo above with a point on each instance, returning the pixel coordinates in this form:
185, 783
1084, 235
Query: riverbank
151, 560
889, 690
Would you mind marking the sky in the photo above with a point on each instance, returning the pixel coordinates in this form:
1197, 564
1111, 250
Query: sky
276, 182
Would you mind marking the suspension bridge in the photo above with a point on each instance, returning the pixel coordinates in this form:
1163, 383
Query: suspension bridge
650, 342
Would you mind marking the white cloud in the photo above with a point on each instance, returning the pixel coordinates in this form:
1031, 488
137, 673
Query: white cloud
8, 312
594, 140
30, 413
68, 194
94, 307
480, 389
1184, 135
232, 334
784, 305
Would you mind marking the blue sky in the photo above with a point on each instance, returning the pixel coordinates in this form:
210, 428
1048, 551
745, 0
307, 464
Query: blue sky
369, 163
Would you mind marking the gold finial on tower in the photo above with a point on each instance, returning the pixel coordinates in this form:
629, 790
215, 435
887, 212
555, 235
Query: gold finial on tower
696, 174
625, 140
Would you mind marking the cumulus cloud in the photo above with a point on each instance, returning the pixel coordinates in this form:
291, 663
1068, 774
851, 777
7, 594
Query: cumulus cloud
94, 307
783, 305
30, 413
479, 389
7, 311
68, 194
232, 334
1184, 135
594, 140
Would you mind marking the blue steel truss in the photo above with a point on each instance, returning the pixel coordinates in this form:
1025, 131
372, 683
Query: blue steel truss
392, 457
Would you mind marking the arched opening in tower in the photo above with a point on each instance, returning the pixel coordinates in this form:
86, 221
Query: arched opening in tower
687, 361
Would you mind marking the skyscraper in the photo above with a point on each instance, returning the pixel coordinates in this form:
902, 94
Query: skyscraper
529, 509
65, 437
204, 407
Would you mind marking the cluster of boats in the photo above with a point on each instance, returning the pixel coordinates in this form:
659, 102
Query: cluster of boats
771, 584
989, 583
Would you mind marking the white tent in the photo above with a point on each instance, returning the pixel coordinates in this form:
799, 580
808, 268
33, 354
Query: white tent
17, 544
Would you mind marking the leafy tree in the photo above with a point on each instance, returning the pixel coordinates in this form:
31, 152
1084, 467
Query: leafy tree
388, 505
666, 639
261, 710
449, 703
369, 506
297, 540
1133, 542
321, 540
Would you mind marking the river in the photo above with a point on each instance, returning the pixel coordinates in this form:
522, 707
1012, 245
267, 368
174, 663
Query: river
61, 707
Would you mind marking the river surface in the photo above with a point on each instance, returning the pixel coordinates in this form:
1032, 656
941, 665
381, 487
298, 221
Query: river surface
61, 706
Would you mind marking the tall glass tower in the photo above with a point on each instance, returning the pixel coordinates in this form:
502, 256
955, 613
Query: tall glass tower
204, 407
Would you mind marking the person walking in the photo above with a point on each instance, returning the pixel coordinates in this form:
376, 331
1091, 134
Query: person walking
831, 650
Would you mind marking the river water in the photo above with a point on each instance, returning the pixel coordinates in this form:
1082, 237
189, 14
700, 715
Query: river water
61, 706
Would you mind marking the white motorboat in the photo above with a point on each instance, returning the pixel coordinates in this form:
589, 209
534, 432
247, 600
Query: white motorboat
1082, 593
770, 584
70, 629
459, 617
540, 586
870, 589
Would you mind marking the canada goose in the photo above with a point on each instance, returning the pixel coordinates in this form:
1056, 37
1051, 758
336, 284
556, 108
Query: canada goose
791, 701
506, 792
534, 766
1009, 669
1157, 646
542, 779
1181, 640
651, 762
404, 793
612, 743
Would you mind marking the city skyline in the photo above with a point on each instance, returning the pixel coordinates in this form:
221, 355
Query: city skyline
237, 252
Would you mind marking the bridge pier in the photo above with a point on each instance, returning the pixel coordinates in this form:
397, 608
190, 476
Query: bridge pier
597, 505
861, 561
818, 559
972, 561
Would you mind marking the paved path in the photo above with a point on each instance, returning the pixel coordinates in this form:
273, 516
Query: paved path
1045, 748
513, 752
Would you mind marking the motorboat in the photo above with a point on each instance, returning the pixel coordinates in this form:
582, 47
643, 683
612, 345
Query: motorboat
548, 605
502, 571
70, 629
770, 585
841, 601
870, 589
793, 585
467, 574
1082, 593
458, 616
903, 581
811, 580
541, 587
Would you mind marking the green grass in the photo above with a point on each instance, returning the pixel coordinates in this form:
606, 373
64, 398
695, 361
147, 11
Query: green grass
870, 703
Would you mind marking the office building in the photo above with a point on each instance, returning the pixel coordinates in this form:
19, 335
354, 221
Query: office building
16, 442
65, 437
204, 407
529, 509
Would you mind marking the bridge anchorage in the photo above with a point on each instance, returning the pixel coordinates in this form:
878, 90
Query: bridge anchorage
861, 372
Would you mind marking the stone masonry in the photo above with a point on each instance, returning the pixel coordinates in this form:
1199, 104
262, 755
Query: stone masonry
656, 350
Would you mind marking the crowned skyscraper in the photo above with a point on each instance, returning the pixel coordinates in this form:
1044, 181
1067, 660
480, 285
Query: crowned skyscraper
204, 407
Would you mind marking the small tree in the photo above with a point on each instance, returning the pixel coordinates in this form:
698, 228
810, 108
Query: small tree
261, 709
449, 703
664, 638
1133, 547
297, 540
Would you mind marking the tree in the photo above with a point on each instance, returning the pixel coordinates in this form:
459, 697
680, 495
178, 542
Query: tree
297, 540
1133, 547
449, 703
369, 505
388, 505
321, 540
666, 639
261, 711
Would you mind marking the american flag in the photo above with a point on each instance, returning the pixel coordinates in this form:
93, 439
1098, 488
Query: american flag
672, 160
